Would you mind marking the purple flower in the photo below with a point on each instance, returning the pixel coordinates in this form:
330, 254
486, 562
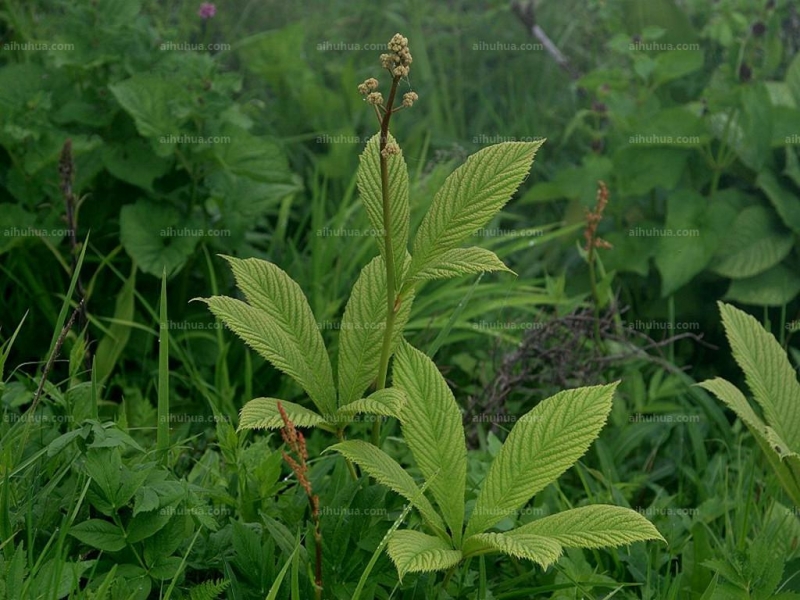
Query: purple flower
207, 10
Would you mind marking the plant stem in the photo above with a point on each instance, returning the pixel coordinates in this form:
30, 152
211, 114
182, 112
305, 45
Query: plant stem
391, 282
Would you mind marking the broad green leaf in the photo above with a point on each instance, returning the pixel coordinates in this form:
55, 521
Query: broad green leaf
673, 65
539, 549
99, 534
640, 170
157, 236
256, 158
595, 526
388, 402
369, 185
147, 98
786, 203
432, 428
135, 163
278, 313
113, 343
755, 242
146, 524
385, 470
263, 413
416, 552
776, 287
694, 229
462, 261
756, 124
543, 444
362, 330
469, 198
768, 372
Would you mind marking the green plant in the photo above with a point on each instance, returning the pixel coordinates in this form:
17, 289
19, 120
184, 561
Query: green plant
277, 322
773, 382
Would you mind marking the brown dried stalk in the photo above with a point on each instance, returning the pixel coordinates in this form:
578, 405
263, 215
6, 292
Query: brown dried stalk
299, 465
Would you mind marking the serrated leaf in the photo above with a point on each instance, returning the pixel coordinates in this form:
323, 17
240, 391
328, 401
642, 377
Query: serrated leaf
432, 428
539, 549
462, 261
388, 402
768, 372
99, 534
369, 185
147, 98
754, 243
730, 395
386, 471
362, 330
543, 444
786, 203
595, 526
469, 198
263, 413
416, 552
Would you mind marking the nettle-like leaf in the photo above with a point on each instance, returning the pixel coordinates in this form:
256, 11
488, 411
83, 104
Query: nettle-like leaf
543, 444
263, 413
462, 261
376, 463
362, 330
469, 198
415, 552
369, 185
388, 402
536, 548
772, 380
432, 428
277, 322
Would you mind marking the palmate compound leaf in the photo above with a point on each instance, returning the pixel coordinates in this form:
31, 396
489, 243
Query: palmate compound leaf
543, 540
415, 552
369, 185
469, 198
432, 428
279, 325
379, 465
362, 330
543, 444
768, 373
462, 261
